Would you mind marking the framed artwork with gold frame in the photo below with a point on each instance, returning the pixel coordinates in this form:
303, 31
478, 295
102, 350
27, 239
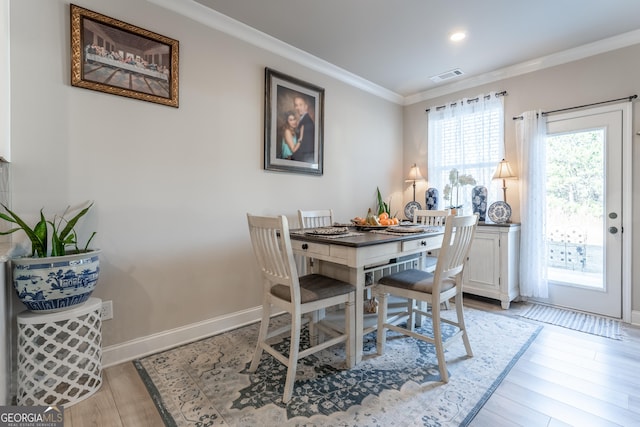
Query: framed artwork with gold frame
111, 56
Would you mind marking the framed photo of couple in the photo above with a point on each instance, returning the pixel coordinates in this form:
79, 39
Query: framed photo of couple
293, 125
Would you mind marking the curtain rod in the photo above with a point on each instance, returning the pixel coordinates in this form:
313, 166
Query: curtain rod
453, 104
544, 113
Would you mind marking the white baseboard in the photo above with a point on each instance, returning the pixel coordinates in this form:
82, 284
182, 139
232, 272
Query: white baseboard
119, 353
130, 350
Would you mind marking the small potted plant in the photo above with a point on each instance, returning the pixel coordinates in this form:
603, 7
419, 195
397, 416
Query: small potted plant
58, 274
456, 180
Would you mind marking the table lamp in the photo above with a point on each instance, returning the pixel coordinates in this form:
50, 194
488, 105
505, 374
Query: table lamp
414, 175
504, 172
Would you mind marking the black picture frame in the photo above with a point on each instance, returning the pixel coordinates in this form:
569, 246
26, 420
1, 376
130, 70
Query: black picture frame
285, 97
111, 56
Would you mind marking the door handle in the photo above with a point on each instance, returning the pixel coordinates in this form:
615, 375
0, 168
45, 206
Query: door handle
613, 230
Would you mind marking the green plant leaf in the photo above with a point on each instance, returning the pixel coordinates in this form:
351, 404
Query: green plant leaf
38, 236
57, 248
40, 230
72, 222
13, 230
38, 245
7, 218
86, 247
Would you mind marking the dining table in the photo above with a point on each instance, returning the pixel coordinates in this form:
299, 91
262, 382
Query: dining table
350, 254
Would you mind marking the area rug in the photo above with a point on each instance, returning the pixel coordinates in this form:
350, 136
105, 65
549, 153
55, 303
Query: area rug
583, 322
206, 383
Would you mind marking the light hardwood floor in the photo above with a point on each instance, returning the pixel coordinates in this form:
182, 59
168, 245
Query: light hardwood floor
565, 378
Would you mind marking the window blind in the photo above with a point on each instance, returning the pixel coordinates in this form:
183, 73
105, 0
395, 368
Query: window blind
467, 135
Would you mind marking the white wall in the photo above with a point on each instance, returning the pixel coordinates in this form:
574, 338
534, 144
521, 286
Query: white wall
172, 186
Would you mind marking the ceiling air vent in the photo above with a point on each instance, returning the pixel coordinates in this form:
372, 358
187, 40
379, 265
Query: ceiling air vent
447, 75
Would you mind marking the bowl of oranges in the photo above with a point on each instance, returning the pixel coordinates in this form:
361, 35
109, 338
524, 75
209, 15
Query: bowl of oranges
373, 222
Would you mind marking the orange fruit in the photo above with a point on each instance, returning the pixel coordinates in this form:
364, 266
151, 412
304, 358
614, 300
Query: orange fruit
383, 215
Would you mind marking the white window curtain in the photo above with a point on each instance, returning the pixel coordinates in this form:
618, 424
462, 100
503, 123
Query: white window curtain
467, 135
531, 144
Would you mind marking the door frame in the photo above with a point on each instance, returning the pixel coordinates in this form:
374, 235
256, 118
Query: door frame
627, 195
627, 209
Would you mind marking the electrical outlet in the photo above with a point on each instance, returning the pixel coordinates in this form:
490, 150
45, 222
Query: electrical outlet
107, 310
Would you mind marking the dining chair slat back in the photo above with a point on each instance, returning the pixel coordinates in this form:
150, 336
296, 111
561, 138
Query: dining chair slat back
431, 218
272, 252
315, 218
312, 219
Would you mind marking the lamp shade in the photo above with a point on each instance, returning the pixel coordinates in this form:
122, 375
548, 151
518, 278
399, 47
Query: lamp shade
503, 171
414, 174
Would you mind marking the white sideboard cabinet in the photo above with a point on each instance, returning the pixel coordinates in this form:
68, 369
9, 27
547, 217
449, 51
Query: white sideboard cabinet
493, 266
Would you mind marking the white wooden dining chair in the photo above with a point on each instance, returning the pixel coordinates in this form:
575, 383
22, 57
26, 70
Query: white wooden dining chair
433, 288
283, 290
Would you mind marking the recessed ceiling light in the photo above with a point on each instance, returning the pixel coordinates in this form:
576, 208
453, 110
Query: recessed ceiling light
457, 36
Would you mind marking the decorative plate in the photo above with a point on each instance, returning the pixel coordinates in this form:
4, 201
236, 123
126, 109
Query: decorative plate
328, 231
372, 227
499, 212
409, 208
407, 229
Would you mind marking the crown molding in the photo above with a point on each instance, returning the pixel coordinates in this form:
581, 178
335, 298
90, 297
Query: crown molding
216, 20
220, 22
605, 45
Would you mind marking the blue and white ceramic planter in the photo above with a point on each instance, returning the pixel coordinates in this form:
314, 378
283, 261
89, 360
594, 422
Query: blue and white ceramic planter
56, 283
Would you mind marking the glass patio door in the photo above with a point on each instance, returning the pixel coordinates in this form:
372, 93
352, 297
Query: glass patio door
584, 210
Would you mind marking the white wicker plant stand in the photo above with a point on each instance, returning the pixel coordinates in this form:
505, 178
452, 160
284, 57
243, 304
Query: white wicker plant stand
59, 355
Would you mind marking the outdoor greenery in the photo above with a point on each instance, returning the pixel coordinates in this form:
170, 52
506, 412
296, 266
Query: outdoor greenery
575, 192
574, 176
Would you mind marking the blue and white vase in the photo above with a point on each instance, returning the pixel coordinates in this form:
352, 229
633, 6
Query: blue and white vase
431, 197
55, 283
479, 201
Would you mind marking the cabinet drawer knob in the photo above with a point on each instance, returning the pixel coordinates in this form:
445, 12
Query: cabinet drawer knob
305, 246
423, 243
